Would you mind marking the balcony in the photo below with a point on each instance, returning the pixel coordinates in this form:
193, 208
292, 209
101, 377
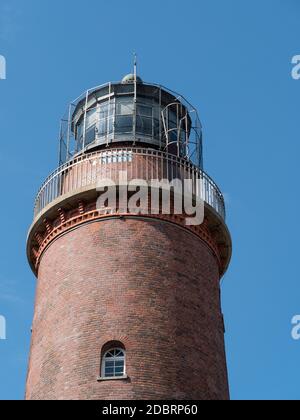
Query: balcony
86, 170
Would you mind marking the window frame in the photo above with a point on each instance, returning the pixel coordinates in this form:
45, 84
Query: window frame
115, 358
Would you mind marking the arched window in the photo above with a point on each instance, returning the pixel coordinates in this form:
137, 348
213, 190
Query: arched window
113, 363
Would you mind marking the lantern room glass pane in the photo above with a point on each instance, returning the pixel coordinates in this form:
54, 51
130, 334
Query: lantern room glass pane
91, 117
90, 135
124, 124
144, 126
105, 127
125, 106
144, 110
105, 109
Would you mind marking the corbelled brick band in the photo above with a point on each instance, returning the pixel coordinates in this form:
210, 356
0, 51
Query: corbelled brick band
147, 283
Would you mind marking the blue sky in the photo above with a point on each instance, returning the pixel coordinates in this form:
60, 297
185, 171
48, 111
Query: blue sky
232, 60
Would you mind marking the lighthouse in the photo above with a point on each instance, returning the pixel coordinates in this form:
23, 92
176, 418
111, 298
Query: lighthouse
128, 303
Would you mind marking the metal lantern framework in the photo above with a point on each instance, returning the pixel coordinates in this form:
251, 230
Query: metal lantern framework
134, 113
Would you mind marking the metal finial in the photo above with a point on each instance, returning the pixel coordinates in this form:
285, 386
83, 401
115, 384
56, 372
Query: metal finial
135, 65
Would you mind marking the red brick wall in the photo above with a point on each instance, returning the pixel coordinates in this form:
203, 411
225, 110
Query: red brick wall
149, 284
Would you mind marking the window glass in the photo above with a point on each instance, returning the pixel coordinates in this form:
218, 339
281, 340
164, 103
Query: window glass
183, 135
90, 135
144, 126
145, 111
105, 127
156, 128
105, 109
113, 364
124, 124
173, 117
173, 135
91, 117
157, 112
172, 125
125, 106
102, 128
79, 130
119, 157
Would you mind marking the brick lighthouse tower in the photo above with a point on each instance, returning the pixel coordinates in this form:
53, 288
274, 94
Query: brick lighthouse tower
128, 303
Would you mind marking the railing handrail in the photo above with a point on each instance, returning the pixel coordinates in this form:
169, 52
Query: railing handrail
181, 162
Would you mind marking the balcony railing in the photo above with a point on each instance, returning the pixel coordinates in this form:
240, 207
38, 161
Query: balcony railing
86, 170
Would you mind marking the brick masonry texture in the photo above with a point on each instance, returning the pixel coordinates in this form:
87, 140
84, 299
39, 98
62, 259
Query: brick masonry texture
149, 284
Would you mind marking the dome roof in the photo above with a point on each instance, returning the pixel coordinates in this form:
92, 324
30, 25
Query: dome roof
129, 78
